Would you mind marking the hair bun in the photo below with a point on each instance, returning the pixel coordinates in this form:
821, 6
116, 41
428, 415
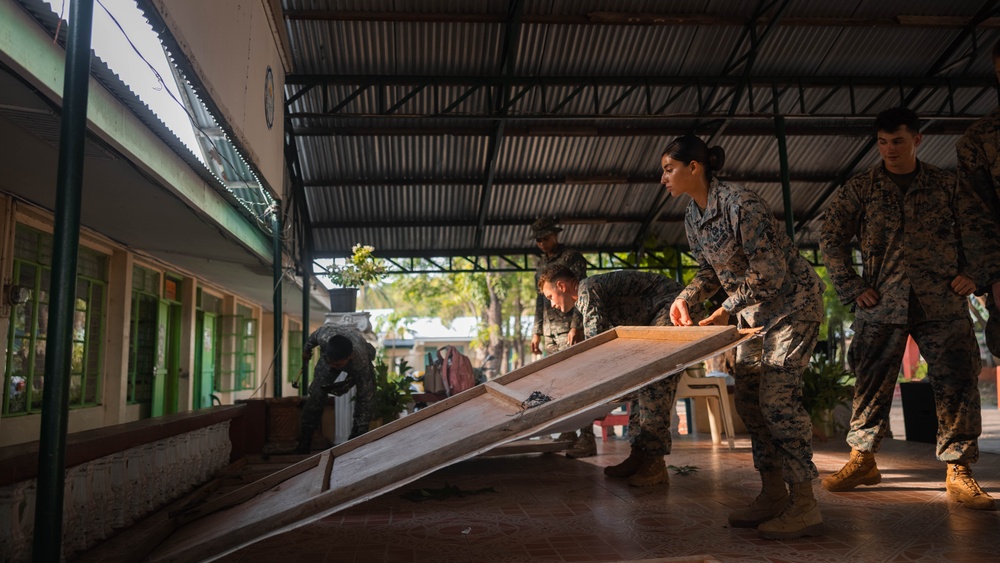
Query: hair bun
716, 157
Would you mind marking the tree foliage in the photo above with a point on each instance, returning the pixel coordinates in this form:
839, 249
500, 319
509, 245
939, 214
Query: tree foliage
451, 295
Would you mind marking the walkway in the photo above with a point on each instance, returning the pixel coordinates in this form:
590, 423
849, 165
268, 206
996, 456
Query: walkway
549, 508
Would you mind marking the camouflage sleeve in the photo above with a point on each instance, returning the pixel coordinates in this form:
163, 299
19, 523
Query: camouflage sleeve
311, 342
341, 387
578, 264
840, 225
539, 310
978, 235
974, 173
592, 311
706, 281
766, 263
579, 267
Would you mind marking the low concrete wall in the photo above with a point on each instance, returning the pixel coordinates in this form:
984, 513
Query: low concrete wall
109, 490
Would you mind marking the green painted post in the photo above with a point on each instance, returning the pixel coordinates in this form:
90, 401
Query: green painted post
786, 182
276, 295
47, 543
306, 284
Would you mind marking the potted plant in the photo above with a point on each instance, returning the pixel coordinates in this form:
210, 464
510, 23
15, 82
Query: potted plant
359, 269
392, 391
825, 385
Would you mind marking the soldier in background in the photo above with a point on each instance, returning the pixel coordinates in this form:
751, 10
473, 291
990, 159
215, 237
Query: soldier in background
554, 329
342, 348
979, 172
739, 247
625, 299
924, 251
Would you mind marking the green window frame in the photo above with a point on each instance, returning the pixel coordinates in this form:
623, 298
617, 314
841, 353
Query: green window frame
294, 351
238, 356
142, 335
24, 374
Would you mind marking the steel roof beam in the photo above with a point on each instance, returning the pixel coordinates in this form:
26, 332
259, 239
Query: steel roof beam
639, 19
840, 126
626, 81
465, 223
568, 180
515, 11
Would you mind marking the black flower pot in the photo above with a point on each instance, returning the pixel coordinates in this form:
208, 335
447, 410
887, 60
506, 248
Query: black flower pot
919, 415
343, 299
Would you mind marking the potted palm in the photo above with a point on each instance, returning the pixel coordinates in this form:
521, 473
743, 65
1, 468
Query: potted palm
359, 269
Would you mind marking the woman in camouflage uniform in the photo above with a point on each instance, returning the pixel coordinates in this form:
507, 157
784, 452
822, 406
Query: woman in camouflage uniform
739, 246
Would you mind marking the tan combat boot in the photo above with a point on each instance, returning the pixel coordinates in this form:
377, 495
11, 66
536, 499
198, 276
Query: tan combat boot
584, 446
800, 518
859, 470
963, 488
567, 437
769, 503
628, 467
653, 471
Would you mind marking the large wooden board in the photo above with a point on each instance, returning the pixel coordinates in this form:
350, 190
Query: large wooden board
591, 373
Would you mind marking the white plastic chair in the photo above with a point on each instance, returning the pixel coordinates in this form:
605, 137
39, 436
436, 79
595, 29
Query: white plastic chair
710, 388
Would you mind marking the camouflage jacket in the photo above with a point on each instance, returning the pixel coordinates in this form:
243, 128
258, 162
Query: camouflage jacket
920, 240
979, 162
553, 321
740, 246
360, 371
625, 298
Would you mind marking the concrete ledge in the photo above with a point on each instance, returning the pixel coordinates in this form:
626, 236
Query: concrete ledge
20, 462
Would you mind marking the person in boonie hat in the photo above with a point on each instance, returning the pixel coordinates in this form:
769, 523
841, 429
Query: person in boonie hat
556, 330
543, 227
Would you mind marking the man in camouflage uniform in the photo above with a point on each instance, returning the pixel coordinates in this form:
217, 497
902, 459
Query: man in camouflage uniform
342, 348
739, 246
625, 299
979, 172
553, 328
924, 252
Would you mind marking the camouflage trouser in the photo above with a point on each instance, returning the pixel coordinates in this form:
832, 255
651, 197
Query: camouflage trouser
768, 396
312, 412
554, 343
993, 325
649, 423
953, 365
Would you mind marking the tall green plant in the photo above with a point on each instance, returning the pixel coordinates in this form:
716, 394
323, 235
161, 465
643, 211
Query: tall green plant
392, 389
825, 384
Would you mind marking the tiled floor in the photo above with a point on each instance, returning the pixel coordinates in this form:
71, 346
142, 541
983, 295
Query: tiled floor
550, 508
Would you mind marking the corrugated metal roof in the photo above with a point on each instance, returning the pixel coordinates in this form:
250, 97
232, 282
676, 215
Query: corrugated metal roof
594, 104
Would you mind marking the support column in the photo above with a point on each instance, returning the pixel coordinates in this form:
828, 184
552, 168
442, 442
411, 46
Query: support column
306, 331
62, 286
116, 341
786, 182
276, 292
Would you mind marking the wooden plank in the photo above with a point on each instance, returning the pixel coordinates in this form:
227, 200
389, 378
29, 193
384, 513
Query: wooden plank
245, 493
586, 375
505, 394
529, 447
326, 468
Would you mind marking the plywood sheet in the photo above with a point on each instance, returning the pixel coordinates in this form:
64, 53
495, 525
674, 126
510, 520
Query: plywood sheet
577, 379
